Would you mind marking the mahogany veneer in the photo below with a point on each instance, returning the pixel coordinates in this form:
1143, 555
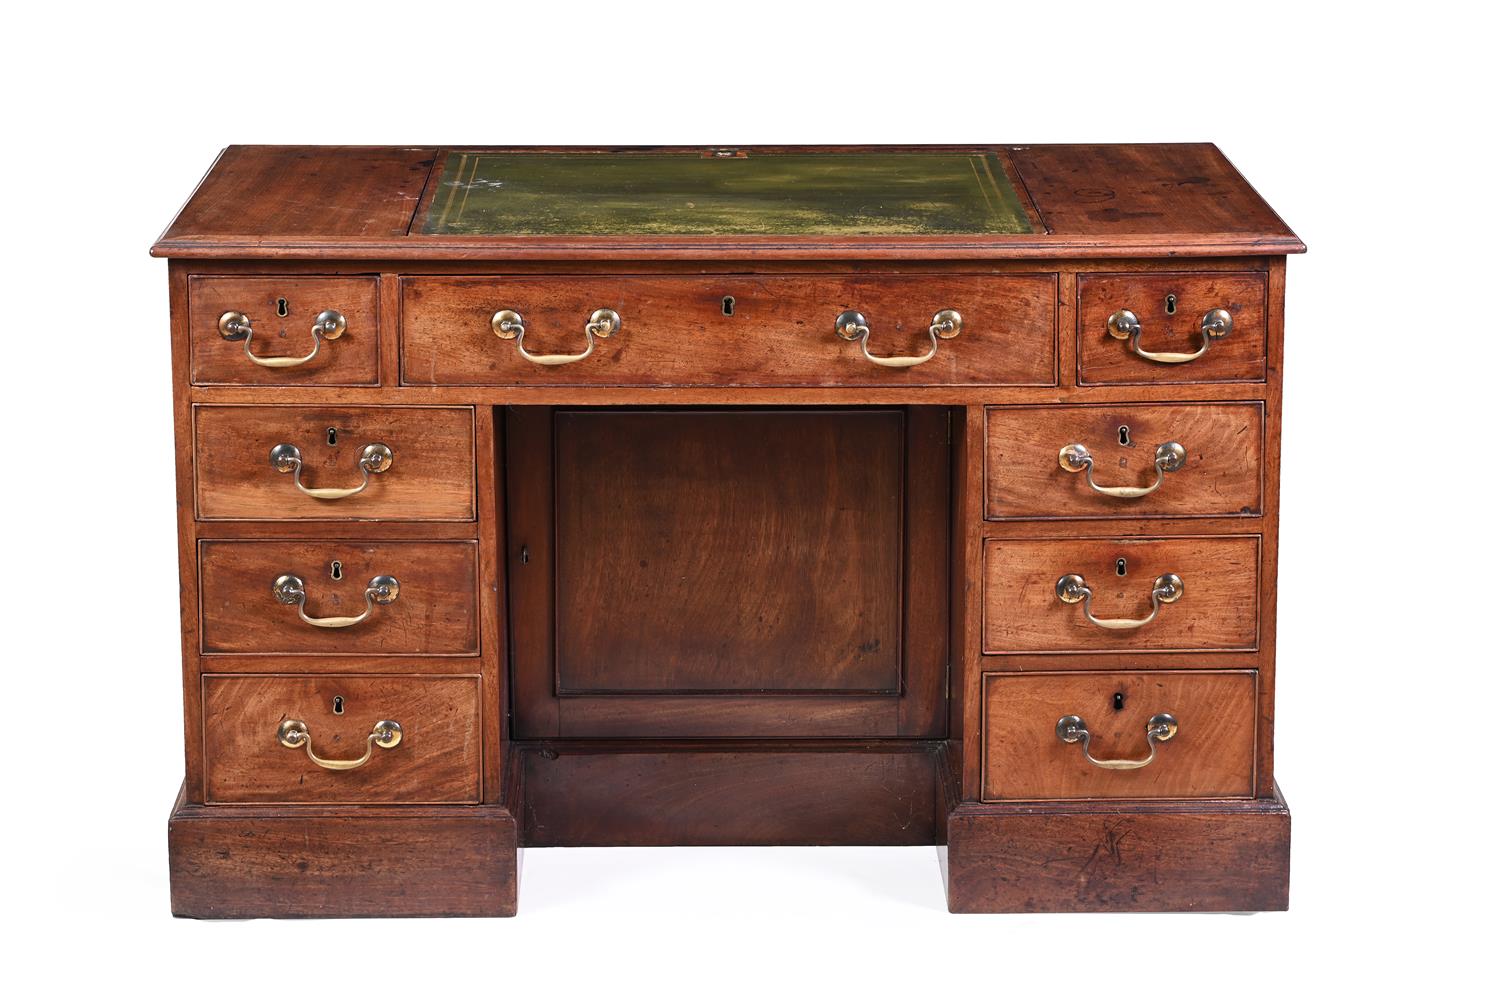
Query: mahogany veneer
1238, 356
731, 330
440, 751
683, 563
282, 310
1222, 475
431, 476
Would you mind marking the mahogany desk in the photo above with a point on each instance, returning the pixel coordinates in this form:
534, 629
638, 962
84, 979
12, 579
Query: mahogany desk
727, 496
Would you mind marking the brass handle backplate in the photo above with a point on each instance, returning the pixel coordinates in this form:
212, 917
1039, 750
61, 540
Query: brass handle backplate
1123, 324
293, 733
374, 460
508, 325
1168, 457
289, 589
1161, 729
1072, 589
851, 325
327, 325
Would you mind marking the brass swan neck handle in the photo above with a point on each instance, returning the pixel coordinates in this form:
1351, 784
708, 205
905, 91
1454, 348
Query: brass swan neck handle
509, 325
374, 460
327, 325
1161, 729
851, 325
1123, 324
293, 733
290, 590
1072, 589
1168, 457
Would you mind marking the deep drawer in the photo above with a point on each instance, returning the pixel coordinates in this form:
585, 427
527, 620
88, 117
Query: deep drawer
250, 603
302, 462
259, 733
730, 330
282, 314
1124, 460
1029, 605
1168, 734
1113, 344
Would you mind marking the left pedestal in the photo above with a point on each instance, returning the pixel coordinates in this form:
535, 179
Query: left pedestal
342, 861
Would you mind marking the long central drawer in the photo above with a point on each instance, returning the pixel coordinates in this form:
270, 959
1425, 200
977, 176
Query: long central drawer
733, 330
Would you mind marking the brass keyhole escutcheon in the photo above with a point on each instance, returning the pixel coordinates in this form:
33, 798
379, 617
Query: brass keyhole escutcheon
338, 706
728, 305
336, 570
1171, 302
282, 308
1121, 567
1124, 435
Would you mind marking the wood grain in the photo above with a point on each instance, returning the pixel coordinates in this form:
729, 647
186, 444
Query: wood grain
349, 360
1107, 856
1240, 356
434, 614
638, 618
675, 331
1021, 612
734, 765
659, 595
1175, 191
1098, 201
242, 862
431, 478
580, 796
1211, 755
1222, 474
320, 192
437, 761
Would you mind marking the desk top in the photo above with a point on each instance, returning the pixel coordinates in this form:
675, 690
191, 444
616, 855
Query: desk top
639, 203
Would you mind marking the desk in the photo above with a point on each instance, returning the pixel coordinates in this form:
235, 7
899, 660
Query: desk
727, 496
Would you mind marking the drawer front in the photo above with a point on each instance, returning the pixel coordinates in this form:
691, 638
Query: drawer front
281, 313
734, 330
1237, 355
1204, 748
256, 751
291, 463
1106, 461
250, 598
1216, 608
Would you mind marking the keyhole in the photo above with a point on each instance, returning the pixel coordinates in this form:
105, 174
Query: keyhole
1121, 567
526, 555
728, 305
281, 307
339, 704
332, 436
1170, 302
1118, 700
336, 570
1124, 435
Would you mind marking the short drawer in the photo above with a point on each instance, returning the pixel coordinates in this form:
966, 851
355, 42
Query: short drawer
1124, 460
289, 463
1207, 326
341, 739
337, 597
1164, 734
283, 330
1104, 595
730, 330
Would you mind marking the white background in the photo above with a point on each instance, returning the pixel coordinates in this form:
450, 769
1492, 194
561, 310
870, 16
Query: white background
1367, 129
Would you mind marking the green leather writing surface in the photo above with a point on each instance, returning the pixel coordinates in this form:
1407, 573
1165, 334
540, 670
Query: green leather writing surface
698, 193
